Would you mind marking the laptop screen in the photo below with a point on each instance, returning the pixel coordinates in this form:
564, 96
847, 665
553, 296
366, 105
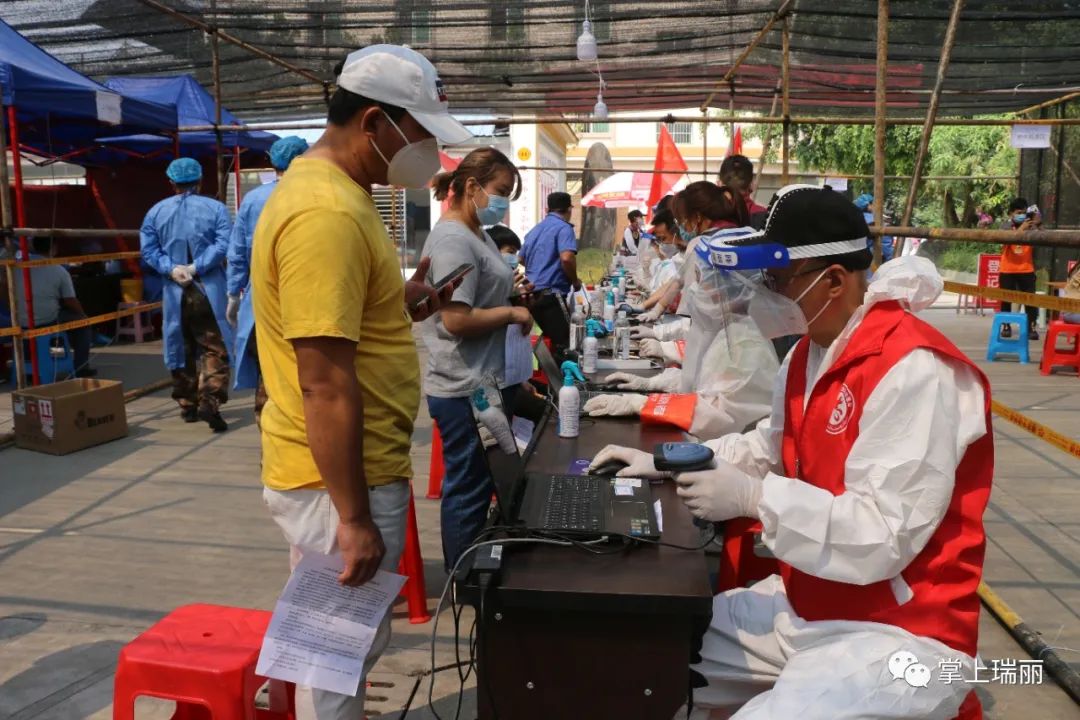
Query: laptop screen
547, 363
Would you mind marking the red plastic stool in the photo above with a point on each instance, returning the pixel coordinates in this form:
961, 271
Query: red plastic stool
412, 567
203, 657
436, 469
1051, 356
739, 564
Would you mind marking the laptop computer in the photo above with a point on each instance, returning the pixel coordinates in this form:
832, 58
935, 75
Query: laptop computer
584, 507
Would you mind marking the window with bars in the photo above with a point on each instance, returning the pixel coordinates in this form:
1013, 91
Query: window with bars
599, 128
508, 23
420, 21
681, 132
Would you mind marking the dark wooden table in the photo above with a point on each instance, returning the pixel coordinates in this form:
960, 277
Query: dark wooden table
566, 634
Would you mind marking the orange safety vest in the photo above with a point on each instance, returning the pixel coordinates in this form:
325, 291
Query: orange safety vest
1016, 259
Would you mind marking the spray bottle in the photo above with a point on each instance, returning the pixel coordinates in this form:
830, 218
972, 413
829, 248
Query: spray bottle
622, 337
569, 400
495, 421
577, 328
609, 311
590, 347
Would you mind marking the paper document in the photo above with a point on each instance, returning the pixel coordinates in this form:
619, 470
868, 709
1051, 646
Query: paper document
322, 631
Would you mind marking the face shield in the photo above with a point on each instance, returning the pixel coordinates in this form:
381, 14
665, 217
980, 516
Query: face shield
720, 282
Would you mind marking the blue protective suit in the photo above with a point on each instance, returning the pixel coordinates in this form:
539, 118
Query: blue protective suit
246, 359
181, 230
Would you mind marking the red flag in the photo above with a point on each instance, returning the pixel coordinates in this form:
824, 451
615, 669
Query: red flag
735, 147
669, 165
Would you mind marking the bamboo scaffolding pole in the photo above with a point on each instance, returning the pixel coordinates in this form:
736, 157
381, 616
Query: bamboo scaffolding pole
1034, 238
232, 40
880, 124
766, 142
781, 12
785, 89
931, 116
741, 119
215, 69
1049, 103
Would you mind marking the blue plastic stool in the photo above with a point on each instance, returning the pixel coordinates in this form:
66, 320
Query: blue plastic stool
1016, 345
50, 368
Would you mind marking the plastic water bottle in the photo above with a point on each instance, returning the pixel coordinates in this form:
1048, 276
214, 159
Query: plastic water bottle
609, 311
622, 336
569, 400
590, 350
577, 328
622, 285
495, 421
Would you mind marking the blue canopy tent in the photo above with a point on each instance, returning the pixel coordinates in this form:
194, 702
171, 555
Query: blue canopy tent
194, 107
57, 112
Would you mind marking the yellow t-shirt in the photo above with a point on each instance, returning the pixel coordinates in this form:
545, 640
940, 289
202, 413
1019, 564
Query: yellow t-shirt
323, 266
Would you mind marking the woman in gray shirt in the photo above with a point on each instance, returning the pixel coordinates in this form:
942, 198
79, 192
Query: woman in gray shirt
466, 341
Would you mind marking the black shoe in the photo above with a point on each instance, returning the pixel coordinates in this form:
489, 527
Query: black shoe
86, 373
213, 419
1033, 334
189, 415
1006, 331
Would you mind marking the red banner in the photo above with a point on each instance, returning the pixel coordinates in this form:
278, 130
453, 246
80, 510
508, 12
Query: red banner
989, 276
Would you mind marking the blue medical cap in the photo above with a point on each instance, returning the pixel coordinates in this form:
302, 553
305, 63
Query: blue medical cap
285, 150
864, 201
184, 171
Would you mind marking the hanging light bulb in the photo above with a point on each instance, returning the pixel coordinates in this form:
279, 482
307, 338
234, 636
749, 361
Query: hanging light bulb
586, 43
599, 110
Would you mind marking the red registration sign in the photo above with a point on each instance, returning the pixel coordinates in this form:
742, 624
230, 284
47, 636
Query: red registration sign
989, 276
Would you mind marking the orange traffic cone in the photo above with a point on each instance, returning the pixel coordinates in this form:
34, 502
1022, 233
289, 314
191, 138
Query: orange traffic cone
412, 567
436, 471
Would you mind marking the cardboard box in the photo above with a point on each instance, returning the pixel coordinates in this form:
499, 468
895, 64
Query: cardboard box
67, 416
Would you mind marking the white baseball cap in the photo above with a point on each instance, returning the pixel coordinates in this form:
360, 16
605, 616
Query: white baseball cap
402, 77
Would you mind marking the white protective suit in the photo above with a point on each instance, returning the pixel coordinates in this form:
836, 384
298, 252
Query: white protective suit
728, 364
899, 476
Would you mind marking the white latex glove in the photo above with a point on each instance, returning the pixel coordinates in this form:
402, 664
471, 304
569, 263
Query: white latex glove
181, 276
667, 351
639, 463
191, 271
232, 310
720, 493
667, 381
615, 405
652, 315
642, 333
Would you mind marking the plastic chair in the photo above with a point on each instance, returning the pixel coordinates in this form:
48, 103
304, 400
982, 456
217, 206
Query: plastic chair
134, 326
1051, 356
1016, 345
203, 657
740, 565
51, 368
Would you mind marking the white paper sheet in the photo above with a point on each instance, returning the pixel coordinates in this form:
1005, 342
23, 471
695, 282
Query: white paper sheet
523, 432
1030, 136
321, 631
659, 510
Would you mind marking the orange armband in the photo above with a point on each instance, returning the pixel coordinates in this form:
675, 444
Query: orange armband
670, 409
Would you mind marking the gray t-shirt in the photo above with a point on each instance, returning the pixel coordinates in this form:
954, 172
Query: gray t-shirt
456, 366
49, 284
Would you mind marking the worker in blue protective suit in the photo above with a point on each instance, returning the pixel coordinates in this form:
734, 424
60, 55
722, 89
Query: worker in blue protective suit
865, 203
239, 310
184, 239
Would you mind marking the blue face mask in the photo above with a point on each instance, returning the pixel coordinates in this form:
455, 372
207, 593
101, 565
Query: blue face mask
495, 210
511, 260
686, 235
1019, 219
668, 249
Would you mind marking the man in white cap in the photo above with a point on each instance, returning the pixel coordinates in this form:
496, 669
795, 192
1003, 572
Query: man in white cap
332, 318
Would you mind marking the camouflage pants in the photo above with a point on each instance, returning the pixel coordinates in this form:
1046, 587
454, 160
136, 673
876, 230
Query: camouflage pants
204, 380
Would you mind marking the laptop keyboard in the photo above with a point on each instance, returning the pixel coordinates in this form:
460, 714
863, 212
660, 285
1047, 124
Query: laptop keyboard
573, 503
